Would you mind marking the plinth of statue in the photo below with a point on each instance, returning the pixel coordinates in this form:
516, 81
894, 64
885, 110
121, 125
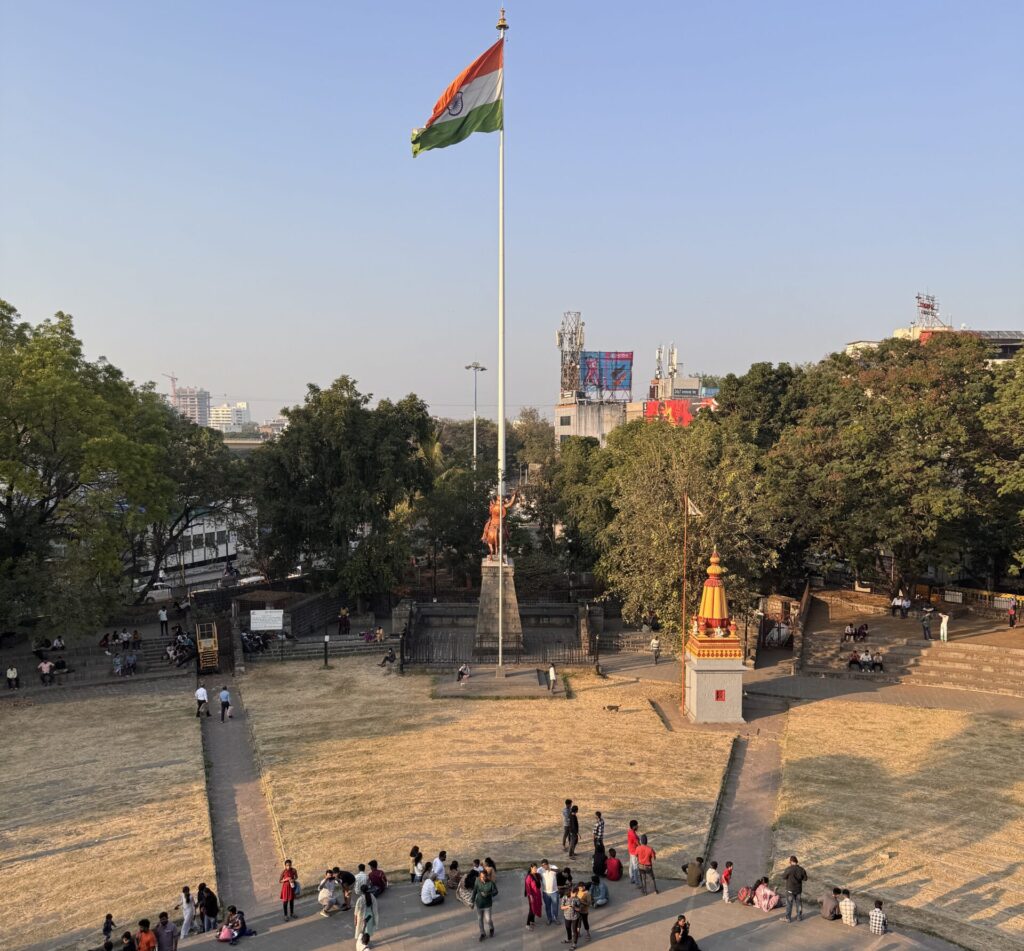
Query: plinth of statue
495, 577
713, 672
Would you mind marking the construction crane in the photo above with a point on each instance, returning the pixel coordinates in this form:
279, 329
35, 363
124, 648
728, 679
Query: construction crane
174, 383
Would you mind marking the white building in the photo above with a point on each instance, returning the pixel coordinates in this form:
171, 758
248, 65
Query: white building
229, 417
193, 403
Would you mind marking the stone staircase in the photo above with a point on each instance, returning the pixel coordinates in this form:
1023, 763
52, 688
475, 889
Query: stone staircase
910, 659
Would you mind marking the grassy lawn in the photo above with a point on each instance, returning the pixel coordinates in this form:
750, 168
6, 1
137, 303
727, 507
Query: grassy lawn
104, 809
921, 808
362, 766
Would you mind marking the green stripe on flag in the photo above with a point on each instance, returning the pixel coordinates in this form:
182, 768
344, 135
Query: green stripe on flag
442, 134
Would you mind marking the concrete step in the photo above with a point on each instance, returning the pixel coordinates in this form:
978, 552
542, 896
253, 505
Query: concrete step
932, 678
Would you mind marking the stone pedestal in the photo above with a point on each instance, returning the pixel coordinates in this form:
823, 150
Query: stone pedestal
486, 640
714, 679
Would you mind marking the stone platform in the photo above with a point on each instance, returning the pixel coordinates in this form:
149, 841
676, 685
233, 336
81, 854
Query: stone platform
493, 576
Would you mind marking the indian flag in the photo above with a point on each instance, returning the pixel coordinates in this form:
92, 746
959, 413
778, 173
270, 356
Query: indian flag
472, 103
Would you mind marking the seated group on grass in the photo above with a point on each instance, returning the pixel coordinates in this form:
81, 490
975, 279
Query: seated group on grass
865, 661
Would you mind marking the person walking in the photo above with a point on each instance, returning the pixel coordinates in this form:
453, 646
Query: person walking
188, 910
583, 894
794, 878
574, 830
367, 917
483, 898
598, 832
549, 890
289, 880
566, 813
645, 857
943, 627
202, 700
162, 617
1011, 613
13, 683
552, 677
632, 844
532, 892
655, 648
225, 702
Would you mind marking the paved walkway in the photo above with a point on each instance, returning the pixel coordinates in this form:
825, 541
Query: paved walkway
244, 846
744, 832
629, 921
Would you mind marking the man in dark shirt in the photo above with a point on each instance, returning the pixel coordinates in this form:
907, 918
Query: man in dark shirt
794, 877
694, 872
574, 830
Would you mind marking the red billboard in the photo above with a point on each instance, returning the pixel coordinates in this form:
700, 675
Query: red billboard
676, 412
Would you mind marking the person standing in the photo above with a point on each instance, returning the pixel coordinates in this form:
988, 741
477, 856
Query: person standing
162, 617
566, 813
483, 898
943, 627
794, 877
1011, 613
726, 880
574, 830
655, 648
367, 917
926, 626
599, 832
202, 700
549, 890
208, 907
632, 844
13, 683
571, 917
188, 910
532, 891
167, 933
225, 701
645, 857
289, 880
583, 894
145, 940
552, 677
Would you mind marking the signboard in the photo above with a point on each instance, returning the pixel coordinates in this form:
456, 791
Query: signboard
266, 620
606, 371
680, 392
676, 412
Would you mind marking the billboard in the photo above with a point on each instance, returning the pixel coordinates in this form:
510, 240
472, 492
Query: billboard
676, 412
607, 371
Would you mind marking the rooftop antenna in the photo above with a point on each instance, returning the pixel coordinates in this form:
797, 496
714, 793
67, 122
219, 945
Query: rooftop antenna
928, 313
569, 340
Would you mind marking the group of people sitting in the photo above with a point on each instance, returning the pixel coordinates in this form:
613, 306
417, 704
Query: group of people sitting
865, 661
181, 648
851, 633
255, 642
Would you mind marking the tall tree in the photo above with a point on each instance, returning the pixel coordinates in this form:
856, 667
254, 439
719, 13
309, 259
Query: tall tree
335, 487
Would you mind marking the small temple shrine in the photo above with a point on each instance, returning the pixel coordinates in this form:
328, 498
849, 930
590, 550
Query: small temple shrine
713, 657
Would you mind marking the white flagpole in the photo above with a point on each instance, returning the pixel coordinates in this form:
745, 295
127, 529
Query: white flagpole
501, 27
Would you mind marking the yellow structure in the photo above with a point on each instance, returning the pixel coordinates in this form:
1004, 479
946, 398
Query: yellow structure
713, 657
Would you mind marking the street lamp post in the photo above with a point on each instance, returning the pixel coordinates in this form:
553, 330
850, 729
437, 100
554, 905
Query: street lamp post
477, 369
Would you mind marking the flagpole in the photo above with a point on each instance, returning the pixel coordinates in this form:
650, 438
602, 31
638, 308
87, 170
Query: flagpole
502, 26
682, 639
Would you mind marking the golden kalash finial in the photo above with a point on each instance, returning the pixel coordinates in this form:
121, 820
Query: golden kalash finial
502, 23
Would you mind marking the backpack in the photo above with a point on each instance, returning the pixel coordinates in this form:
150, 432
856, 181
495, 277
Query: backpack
746, 895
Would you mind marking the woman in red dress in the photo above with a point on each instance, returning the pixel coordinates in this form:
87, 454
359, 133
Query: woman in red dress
289, 883
531, 889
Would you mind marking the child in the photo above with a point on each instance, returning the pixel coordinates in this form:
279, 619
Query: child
108, 926
726, 878
712, 880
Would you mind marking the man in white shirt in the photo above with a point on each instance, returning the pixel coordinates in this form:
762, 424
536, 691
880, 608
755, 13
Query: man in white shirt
944, 628
437, 866
655, 648
848, 909
428, 893
362, 878
896, 604
549, 889
202, 700
162, 616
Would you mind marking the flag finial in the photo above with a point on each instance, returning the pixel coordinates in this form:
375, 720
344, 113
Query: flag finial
502, 23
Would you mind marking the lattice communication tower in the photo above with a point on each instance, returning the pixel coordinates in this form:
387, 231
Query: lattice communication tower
928, 313
569, 341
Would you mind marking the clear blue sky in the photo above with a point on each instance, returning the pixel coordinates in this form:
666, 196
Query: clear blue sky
226, 189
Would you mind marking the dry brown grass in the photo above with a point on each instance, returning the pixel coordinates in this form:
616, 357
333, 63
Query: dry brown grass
104, 809
921, 808
363, 766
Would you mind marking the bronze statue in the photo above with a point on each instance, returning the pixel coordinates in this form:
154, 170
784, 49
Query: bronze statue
498, 513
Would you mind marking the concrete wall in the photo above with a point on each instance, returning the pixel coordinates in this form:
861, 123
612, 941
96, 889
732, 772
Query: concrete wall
589, 419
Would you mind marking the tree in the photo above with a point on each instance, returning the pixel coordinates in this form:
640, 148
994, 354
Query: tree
449, 519
884, 457
1003, 468
77, 445
650, 468
536, 436
762, 402
335, 487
